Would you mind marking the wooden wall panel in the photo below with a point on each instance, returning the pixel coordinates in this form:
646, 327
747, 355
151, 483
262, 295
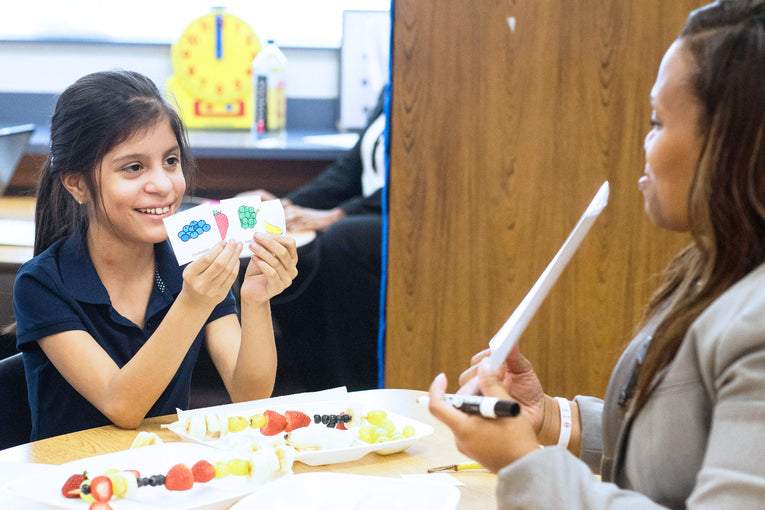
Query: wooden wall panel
499, 139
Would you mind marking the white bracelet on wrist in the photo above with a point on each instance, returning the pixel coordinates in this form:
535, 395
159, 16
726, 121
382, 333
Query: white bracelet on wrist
565, 421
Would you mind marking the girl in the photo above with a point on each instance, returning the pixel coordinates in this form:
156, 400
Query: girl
109, 325
681, 425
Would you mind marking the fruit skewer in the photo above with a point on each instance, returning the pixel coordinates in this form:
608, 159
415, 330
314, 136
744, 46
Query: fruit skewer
123, 484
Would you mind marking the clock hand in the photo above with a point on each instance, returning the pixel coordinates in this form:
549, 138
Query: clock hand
218, 36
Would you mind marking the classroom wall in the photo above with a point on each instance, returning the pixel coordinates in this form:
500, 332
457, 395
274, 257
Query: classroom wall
506, 117
49, 67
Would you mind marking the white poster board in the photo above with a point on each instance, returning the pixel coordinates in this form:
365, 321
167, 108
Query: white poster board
364, 65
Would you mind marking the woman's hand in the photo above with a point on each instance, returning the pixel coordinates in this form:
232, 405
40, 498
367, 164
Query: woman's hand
302, 218
272, 267
208, 279
494, 443
518, 379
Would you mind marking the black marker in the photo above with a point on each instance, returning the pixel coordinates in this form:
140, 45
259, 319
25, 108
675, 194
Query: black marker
488, 407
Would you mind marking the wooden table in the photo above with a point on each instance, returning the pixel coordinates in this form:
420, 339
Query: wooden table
435, 450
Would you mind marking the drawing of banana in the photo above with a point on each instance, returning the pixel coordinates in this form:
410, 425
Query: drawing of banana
273, 229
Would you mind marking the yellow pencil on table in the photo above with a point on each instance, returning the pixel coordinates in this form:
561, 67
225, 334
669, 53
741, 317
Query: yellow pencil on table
457, 467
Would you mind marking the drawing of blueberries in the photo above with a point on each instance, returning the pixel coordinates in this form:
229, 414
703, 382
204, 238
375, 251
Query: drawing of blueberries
193, 230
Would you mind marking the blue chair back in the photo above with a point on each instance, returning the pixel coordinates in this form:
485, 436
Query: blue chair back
14, 402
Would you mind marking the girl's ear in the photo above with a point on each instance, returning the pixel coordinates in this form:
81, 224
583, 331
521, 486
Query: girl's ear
75, 185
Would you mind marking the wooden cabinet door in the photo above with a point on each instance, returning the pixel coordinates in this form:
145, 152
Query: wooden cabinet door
506, 117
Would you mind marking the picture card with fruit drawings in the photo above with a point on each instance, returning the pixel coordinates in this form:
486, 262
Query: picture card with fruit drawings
194, 231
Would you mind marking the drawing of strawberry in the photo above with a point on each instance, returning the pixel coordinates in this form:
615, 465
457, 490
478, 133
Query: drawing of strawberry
222, 221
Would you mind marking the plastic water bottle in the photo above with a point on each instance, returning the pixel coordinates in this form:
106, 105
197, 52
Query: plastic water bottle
269, 68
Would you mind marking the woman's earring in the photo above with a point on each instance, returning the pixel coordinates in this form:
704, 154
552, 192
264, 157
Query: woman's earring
80, 201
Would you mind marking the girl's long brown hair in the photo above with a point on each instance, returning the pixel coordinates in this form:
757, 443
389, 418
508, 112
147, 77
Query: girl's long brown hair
726, 40
92, 116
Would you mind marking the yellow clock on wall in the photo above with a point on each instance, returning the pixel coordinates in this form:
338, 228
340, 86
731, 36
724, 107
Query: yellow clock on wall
212, 65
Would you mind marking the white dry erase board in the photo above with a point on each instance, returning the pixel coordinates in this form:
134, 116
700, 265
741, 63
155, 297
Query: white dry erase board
511, 330
364, 65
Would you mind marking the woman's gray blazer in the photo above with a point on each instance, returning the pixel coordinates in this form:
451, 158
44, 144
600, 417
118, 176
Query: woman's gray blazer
699, 442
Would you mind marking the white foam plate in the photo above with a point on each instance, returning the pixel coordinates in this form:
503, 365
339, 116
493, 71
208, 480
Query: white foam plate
303, 237
330, 491
221, 493
355, 451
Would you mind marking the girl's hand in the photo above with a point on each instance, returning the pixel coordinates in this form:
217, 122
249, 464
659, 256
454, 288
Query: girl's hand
518, 379
494, 443
208, 279
272, 267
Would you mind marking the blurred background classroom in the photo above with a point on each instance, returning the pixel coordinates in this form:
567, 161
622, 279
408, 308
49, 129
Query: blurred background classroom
337, 63
505, 118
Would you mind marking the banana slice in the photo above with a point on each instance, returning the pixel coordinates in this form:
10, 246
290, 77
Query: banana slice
196, 427
222, 425
264, 466
286, 456
319, 438
145, 439
212, 426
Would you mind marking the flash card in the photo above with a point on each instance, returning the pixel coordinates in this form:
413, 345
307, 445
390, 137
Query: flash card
273, 217
192, 232
242, 219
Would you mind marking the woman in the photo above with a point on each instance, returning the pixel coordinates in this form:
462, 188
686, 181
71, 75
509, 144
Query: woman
109, 324
682, 419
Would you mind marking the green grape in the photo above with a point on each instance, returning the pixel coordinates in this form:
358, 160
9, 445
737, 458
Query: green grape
408, 431
375, 417
388, 426
381, 433
221, 470
238, 467
367, 433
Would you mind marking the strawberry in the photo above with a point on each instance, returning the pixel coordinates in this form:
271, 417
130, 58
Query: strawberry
179, 478
203, 471
71, 488
101, 488
222, 221
341, 422
275, 423
100, 505
134, 471
295, 420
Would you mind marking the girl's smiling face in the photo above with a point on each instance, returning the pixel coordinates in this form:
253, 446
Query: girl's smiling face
141, 182
673, 145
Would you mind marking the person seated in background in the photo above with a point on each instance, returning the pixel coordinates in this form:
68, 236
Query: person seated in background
109, 324
327, 322
681, 425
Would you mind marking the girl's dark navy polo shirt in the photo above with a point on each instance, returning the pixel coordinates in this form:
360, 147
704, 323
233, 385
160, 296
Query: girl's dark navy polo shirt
59, 290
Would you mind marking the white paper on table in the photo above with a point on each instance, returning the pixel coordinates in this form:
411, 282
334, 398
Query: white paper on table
511, 330
437, 478
10, 471
17, 232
